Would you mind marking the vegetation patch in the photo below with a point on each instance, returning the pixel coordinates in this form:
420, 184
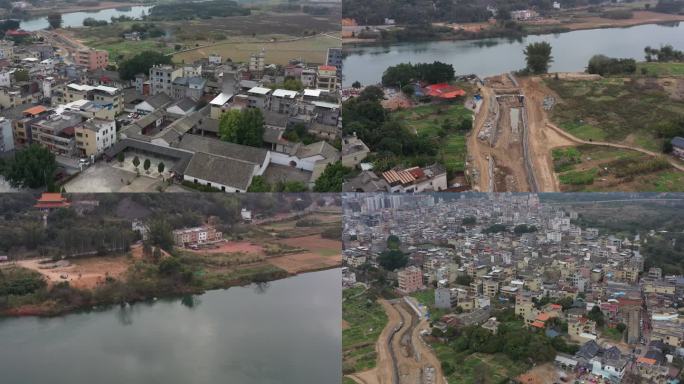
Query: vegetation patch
611, 109
578, 177
365, 318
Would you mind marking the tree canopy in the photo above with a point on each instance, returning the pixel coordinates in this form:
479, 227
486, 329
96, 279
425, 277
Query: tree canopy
141, 63
603, 65
404, 73
332, 177
244, 127
538, 57
33, 167
393, 259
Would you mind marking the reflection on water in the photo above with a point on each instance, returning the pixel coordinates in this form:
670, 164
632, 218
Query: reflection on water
487, 57
282, 332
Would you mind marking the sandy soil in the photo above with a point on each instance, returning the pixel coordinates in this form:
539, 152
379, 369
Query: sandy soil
397, 101
477, 151
81, 273
384, 369
366, 377
302, 262
542, 374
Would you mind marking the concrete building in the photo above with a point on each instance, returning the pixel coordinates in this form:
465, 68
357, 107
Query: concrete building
195, 236
410, 280
326, 78
162, 77
6, 135
94, 136
334, 58
91, 59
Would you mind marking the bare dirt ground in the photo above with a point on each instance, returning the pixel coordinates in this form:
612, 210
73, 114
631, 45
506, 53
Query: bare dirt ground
366, 377
477, 151
505, 143
301, 262
322, 254
84, 273
541, 374
385, 366
315, 243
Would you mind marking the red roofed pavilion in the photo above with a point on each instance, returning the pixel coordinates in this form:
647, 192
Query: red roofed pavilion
51, 201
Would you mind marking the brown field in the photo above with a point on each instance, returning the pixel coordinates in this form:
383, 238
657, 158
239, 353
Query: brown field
302, 262
315, 244
323, 253
81, 273
312, 49
230, 247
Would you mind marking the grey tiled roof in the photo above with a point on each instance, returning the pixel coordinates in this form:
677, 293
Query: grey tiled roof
221, 170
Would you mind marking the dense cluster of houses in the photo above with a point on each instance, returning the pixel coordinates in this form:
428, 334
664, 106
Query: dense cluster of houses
173, 113
454, 249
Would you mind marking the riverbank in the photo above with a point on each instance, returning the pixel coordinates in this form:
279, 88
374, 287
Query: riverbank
530, 29
71, 8
124, 293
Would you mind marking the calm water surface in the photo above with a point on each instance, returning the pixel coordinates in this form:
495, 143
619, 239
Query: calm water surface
287, 332
75, 19
571, 51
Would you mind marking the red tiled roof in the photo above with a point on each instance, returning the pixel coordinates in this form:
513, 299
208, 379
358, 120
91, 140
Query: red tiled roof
38, 109
538, 324
444, 91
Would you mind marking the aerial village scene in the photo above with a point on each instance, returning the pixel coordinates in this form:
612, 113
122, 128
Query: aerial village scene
170, 96
515, 95
512, 288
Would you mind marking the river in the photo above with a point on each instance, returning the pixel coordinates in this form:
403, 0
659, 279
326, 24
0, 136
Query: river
75, 19
571, 51
287, 332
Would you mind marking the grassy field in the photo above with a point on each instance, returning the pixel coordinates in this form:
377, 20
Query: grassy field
310, 49
430, 119
478, 367
616, 110
427, 298
603, 169
661, 69
364, 320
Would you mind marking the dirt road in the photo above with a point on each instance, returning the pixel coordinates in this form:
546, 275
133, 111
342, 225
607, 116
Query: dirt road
403, 357
496, 146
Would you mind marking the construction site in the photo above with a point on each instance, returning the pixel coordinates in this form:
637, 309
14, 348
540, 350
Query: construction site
510, 147
403, 356
499, 156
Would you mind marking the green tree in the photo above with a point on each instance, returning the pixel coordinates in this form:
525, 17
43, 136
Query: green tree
470, 220
332, 177
21, 75
244, 127
596, 315
136, 162
259, 184
160, 234
55, 20
169, 266
160, 167
33, 167
393, 242
120, 157
141, 63
393, 259
538, 57
356, 85
290, 186
147, 164
156, 255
